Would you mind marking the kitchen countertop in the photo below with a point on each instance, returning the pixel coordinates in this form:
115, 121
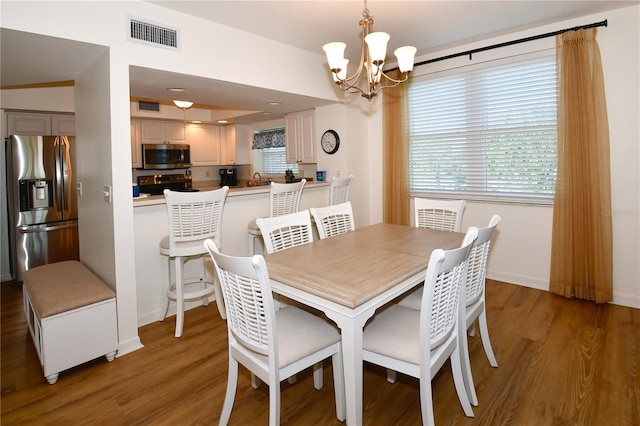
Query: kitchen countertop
233, 192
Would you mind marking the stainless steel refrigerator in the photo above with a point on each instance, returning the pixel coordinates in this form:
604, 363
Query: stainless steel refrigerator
42, 201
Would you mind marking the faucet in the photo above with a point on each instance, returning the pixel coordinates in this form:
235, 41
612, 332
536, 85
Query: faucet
259, 178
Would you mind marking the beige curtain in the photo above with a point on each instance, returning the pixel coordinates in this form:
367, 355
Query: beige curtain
395, 156
581, 253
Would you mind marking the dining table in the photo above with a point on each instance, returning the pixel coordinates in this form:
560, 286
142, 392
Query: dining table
349, 276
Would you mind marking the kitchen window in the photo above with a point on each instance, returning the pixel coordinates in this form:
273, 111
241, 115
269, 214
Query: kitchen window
486, 132
269, 152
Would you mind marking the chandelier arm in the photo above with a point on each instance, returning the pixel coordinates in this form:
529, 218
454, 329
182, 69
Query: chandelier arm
403, 78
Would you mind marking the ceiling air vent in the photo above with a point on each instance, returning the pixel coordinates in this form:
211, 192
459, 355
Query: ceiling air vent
148, 106
153, 34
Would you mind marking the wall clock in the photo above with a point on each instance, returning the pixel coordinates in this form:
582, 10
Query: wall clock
330, 141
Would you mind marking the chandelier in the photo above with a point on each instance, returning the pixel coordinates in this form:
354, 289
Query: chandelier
374, 51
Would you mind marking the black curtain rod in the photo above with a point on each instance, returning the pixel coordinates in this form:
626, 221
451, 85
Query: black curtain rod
509, 43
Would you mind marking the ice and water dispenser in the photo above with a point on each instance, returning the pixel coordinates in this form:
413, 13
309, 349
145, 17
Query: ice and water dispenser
35, 194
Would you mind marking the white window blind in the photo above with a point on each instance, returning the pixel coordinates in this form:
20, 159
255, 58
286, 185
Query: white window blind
486, 132
269, 152
272, 161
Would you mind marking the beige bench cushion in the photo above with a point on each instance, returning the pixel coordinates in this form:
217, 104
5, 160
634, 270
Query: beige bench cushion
63, 286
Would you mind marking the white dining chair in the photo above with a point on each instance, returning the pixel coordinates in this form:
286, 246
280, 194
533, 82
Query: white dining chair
281, 233
193, 217
272, 344
339, 190
474, 300
284, 198
443, 215
418, 343
333, 220
285, 231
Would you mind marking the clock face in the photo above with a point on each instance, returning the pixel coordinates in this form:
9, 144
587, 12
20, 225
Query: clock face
330, 141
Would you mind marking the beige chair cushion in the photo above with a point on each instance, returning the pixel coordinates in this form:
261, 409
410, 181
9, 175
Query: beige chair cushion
63, 286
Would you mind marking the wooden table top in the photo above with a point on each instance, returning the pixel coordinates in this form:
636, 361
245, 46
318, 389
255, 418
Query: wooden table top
351, 268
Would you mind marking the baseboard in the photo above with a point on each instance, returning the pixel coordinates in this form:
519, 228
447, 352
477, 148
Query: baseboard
522, 280
621, 299
129, 346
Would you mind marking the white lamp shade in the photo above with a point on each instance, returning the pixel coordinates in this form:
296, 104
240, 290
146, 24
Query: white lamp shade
335, 54
405, 55
374, 75
183, 104
342, 75
377, 43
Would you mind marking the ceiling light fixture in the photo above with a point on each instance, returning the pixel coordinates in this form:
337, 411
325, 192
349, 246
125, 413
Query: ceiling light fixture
176, 89
183, 104
374, 51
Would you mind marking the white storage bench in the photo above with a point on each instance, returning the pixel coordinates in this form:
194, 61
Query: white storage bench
71, 314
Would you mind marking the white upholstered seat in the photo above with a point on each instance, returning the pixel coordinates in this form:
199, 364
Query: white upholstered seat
193, 217
418, 343
272, 344
333, 220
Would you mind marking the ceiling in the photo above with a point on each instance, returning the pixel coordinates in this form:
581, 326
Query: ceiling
428, 25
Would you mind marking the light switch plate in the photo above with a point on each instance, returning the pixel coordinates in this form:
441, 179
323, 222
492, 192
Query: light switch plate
106, 193
79, 189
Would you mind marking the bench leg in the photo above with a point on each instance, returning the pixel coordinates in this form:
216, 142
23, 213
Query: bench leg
52, 378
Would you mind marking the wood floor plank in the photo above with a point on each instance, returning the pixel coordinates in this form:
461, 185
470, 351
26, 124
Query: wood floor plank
561, 361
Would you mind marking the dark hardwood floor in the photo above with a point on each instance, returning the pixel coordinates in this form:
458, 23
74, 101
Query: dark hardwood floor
561, 362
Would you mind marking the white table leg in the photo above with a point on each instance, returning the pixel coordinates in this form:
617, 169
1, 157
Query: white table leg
351, 329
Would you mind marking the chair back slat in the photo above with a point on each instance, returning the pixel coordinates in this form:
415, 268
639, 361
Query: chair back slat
248, 305
442, 215
286, 231
285, 198
195, 215
477, 263
333, 220
446, 273
339, 192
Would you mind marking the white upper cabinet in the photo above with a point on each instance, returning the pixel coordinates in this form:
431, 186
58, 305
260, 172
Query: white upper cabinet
40, 124
63, 125
162, 132
300, 137
205, 144
234, 144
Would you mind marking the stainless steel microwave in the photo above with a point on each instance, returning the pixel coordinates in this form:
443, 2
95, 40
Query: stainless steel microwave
166, 156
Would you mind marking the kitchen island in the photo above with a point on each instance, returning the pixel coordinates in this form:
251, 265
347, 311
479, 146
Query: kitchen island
151, 224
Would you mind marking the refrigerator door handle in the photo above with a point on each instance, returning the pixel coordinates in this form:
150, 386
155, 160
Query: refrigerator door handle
32, 229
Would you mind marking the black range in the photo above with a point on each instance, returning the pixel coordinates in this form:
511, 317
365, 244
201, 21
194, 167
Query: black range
156, 184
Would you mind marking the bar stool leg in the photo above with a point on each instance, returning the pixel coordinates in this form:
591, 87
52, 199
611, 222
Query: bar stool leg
179, 296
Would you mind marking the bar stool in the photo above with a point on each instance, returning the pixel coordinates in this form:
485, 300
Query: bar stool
284, 198
193, 217
339, 192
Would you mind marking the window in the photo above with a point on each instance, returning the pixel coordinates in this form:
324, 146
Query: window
269, 152
486, 132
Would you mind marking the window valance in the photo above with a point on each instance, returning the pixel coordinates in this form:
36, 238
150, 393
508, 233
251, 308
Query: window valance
271, 138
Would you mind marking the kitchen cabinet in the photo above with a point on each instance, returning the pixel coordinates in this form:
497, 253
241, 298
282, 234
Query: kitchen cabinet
234, 145
153, 131
300, 137
40, 124
63, 125
205, 144
136, 144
